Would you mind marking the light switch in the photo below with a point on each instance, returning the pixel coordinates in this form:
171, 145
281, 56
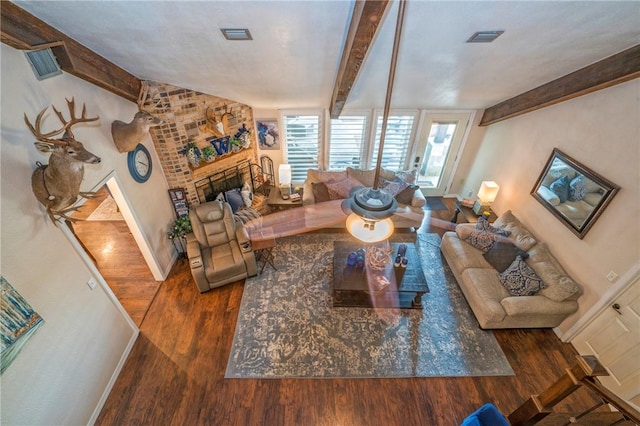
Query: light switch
92, 283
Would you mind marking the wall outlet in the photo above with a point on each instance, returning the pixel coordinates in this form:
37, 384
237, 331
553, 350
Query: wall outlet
470, 194
92, 283
612, 276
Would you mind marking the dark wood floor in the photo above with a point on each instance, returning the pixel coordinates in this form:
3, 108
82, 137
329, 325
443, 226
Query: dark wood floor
175, 374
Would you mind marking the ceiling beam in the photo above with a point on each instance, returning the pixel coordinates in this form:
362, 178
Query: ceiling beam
616, 69
21, 30
365, 20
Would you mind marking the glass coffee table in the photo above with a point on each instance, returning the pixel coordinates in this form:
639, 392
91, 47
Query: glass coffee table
391, 287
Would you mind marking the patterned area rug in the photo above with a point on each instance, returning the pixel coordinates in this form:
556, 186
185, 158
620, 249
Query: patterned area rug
287, 326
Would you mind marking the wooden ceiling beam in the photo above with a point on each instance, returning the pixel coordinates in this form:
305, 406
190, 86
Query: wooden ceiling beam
616, 69
21, 30
365, 20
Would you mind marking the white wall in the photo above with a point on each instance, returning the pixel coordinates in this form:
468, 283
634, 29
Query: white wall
61, 374
600, 130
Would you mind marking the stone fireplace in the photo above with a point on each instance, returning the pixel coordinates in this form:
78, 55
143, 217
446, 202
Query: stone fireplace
185, 112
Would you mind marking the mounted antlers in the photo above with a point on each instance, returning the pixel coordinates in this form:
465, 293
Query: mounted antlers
57, 184
126, 136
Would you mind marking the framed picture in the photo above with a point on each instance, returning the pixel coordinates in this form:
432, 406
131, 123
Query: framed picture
19, 322
268, 133
179, 201
573, 192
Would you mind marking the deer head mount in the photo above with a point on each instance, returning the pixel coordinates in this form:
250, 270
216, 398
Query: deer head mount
126, 136
57, 184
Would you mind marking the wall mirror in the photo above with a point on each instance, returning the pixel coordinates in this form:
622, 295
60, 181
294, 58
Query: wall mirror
572, 192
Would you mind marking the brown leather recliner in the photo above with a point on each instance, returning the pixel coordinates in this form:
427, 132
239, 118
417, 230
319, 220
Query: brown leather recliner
219, 249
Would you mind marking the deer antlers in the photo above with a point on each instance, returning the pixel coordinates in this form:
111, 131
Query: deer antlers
46, 137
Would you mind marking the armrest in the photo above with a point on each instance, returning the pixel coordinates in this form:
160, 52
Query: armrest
193, 251
243, 239
418, 199
527, 305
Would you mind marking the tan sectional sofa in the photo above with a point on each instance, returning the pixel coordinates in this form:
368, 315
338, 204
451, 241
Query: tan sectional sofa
410, 198
494, 306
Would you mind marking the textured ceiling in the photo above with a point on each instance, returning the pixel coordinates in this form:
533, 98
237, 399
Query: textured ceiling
297, 46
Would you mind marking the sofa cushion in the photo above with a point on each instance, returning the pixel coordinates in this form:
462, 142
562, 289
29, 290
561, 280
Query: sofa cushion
461, 255
364, 176
520, 236
483, 291
502, 254
558, 285
520, 279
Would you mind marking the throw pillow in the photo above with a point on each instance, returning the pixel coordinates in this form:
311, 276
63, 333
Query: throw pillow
320, 192
520, 280
247, 194
560, 187
406, 195
395, 186
577, 188
234, 198
482, 240
502, 254
484, 225
341, 189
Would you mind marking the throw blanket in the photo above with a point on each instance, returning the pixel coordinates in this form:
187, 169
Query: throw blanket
246, 214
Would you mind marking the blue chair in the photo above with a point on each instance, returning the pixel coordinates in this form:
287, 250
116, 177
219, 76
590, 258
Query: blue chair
487, 415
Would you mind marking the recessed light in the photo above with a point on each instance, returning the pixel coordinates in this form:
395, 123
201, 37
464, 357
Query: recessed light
484, 36
236, 33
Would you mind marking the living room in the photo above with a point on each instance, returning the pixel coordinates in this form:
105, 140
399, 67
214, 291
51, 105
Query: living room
62, 374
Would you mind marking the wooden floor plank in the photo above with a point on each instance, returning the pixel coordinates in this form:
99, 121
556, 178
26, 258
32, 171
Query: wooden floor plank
175, 374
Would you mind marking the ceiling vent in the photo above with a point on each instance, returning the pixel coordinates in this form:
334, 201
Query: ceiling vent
484, 36
43, 63
236, 33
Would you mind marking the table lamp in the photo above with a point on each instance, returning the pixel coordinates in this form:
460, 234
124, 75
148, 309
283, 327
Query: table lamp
284, 177
486, 195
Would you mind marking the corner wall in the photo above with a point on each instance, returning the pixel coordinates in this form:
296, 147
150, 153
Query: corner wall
602, 131
61, 374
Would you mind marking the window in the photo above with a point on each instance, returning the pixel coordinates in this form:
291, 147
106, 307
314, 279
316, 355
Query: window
396, 141
347, 141
301, 144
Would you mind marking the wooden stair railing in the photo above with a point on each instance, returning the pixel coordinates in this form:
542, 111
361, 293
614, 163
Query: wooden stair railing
584, 373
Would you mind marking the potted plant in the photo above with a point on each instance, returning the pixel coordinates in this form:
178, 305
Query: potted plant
181, 227
209, 154
193, 154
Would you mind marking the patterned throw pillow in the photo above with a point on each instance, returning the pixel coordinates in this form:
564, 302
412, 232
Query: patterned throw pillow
560, 187
394, 187
482, 240
342, 189
483, 225
520, 280
577, 188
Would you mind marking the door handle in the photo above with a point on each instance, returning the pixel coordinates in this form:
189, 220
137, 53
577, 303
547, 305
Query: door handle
616, 307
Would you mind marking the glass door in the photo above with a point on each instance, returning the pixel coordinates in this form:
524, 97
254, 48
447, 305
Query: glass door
440, 140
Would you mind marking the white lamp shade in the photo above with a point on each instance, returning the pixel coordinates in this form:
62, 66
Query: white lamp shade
381, 231
488, 192
284, 174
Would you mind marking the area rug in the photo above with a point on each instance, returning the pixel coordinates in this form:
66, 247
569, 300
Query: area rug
435, 203
287, 327
107, 210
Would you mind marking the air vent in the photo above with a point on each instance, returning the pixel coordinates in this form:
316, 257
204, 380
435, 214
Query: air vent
43, 63
236, 33
484, 36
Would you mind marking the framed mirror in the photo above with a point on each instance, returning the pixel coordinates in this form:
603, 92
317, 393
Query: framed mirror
572, 192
